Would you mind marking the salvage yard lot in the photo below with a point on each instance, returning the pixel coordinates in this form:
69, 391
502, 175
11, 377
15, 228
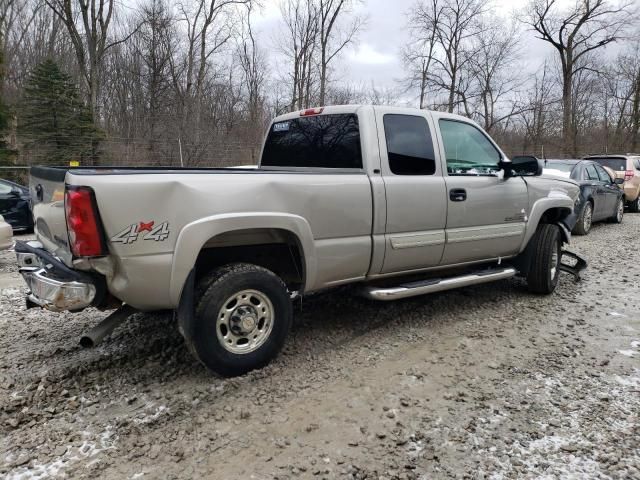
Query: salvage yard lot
483, 382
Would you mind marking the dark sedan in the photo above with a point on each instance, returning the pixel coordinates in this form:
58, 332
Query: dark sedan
15, 205
600, 196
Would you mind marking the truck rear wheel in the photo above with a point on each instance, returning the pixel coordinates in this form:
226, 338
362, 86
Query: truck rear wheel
634, 205
242, 317
545, 264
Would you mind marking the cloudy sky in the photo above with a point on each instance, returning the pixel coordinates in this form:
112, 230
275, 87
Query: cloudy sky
376, 58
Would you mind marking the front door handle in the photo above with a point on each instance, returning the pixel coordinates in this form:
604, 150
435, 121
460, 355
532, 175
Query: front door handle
457, 194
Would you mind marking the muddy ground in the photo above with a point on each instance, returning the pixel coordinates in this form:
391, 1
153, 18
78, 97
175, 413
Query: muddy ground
484, 382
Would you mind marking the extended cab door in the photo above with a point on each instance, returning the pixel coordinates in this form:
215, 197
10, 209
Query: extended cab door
415, 190
486, 214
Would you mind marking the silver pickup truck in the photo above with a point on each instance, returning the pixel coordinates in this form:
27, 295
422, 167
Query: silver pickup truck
402, 202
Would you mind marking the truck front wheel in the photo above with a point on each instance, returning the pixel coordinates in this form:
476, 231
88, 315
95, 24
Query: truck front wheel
545, 263
242, 317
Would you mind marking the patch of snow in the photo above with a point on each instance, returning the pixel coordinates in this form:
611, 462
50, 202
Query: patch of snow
144, 419
627, 353
54, 468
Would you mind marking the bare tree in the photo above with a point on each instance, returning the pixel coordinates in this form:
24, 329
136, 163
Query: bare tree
333, 39
495, 72
418, 55
587, 26
299, 45
253, 67
90, 36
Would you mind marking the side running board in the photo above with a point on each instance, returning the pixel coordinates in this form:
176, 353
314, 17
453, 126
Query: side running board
413, 289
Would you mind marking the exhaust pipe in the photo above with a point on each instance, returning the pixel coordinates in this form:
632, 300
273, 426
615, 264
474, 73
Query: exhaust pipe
94, 336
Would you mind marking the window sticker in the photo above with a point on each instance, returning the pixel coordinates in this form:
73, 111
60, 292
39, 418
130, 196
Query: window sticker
281, 127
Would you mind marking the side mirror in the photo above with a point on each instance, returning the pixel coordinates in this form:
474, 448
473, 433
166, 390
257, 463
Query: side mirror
15, 192
618, 181
524, 166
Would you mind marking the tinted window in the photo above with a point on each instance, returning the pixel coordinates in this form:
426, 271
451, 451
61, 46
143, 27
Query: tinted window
409, 145
615, 164
468, 150
325, 141
602, 173
591, 173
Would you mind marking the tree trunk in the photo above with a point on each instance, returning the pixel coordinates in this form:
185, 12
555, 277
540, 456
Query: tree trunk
635, 115
568, 141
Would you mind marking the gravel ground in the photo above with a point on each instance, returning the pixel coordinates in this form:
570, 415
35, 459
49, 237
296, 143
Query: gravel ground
483, 382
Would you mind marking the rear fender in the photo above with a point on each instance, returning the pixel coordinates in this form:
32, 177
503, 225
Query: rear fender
193, 237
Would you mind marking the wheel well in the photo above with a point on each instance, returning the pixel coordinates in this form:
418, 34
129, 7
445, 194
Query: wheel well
272, 248
554, 215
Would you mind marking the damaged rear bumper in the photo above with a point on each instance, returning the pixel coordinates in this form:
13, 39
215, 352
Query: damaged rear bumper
52, 284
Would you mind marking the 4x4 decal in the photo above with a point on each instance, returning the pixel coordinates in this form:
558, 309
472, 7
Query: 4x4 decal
144, 230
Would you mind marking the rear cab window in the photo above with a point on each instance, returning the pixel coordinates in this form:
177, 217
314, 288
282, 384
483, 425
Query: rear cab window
320, 141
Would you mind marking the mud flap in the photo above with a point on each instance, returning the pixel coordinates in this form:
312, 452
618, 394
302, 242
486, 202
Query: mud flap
575, 267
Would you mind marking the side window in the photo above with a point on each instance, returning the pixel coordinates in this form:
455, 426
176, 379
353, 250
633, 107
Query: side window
409, 145
468, 150
591, 173
636, 163
584, 175
602, 173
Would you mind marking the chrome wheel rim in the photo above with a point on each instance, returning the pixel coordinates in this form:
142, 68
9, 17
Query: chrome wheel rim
620, 211
245, 321
555, 260
586, 222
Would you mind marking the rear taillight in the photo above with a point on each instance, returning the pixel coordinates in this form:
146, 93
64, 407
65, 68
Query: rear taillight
85, 233
628, 175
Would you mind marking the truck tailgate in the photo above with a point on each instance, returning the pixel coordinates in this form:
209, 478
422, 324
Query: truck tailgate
47, 187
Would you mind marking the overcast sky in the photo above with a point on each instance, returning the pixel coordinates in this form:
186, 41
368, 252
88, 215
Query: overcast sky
376, 58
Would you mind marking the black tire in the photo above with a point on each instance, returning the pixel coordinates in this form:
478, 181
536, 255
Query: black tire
217, 289
585, 219
546, 241
634, 206
618, 214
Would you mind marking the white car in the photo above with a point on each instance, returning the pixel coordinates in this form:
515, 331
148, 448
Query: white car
6, 235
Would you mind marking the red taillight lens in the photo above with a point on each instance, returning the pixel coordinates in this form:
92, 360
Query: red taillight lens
628, 174
85, 234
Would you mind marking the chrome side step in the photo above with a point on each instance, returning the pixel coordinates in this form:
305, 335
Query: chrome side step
436, 285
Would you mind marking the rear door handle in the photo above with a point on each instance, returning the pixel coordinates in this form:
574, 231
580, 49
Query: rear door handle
457, 194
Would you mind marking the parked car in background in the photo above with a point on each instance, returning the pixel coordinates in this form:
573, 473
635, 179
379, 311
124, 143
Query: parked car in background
600, 196
15, 205
626, 167
6, 235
